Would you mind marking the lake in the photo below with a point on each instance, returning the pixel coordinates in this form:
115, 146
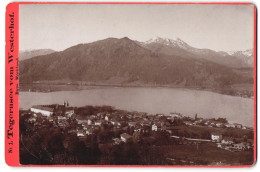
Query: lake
152, 100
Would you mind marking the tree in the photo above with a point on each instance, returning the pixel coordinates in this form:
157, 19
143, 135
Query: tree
222, 120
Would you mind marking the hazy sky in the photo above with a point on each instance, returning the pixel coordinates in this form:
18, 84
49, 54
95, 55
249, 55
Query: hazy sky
218, 27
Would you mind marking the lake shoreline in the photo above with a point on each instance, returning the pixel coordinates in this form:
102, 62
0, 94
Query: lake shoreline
151, 100
47, 88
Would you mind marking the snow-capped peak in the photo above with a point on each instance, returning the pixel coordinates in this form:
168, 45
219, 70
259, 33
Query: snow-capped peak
155, 39
247, 53
175, 41
231, 52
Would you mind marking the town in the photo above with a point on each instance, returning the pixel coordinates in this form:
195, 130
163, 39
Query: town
62, 134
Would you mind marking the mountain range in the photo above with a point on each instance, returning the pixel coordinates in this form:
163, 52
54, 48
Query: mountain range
156, 62
175, 46
27, 54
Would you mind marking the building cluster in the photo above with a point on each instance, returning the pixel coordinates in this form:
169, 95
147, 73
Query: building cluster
128, 123
212, 123
232, 144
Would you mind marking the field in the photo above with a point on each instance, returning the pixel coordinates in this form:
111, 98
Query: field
203, 132
204, 154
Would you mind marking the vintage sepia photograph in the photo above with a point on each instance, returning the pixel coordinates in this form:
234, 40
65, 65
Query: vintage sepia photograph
136, 84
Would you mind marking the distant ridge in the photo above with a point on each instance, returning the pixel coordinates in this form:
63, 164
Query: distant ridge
26, 54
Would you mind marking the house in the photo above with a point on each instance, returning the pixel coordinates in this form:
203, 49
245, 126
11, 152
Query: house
138, 130
250, 144
240, 146
132, 124
61, 118
115, 123
237, 125
220, 125
98, 115
50, 119
176, 115
117, 141
98, 123
244, 128
188, 123
159, 115
102, 115
80, 121
212, 124
69, 111
219, 145
32, 119
129, 116
217, 137
137, 118
85, 126
229, 125
108, 117
125, 137
145, 123
89, 122
158, 126
80, 133
195, 123
62, 121
227, 141
207, 123
44, 110
89, 131
171, 130
93, 117
154, 127
171, 119
198, 121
